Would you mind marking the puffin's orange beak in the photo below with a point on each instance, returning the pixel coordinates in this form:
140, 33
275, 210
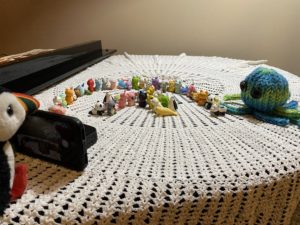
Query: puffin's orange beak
29, 103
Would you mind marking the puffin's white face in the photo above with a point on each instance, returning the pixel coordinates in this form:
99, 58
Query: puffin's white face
12, 115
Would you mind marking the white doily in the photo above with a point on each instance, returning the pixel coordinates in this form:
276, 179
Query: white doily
189, 169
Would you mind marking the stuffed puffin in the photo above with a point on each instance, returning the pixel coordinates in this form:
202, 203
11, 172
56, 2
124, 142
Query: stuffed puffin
13, 178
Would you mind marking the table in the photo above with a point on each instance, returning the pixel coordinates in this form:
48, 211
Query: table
189, 169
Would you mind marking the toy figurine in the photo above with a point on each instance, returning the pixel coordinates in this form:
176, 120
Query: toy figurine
195, 96
149, 101
222, 110
155, 103
216, 109
164, 100
109, 104
13, 177
135, 82
184, 90
172, 104
178, 86
148, 83
87, 92
63, 100
122, 84
202, 96
90, 84
171, 87
117, 97
69, 95
57, 100
129, 85
164, 86
216, 100
98, 109
265, 94
142, 97
155, 83
209, 101
130, 98
105, 84
150, 90
79, 90
162, 111
113, 84
191, 90
98, 84
142, 83
122, 101
58, 109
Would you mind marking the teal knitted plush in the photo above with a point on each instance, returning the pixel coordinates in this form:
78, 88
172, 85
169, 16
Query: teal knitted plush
265, 93
264, 90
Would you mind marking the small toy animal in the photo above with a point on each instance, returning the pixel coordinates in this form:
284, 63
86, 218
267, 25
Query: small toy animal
57, 100
265, 94
192, 89
202, 96
79, 90
209, 101
195, 96
98, 109
98, 84
142, 97
156, 83
129, 85
105, 84
58, 109
122, 84
155, 103
150, 90
135, 82
69, 95
142, 83
184, 90
172, 85
130, 98
87, 92
164, 100
113, 84
13, 178
90, 84
172, 104
178, 86
216, 109
109, 104
162, 111
164, 86
123, 100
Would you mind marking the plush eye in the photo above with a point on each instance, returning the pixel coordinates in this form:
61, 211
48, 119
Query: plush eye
256, 93
10, 110
243, 86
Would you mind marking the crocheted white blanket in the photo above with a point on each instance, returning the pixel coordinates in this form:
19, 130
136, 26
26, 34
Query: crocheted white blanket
189, 169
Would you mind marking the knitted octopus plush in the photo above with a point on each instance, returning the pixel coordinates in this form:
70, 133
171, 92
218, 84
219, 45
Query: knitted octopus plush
265, 94
13, 178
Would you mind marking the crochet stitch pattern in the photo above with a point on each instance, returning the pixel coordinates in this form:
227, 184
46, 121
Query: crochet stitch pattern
189, 169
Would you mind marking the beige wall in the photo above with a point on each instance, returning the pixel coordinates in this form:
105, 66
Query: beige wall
249, 29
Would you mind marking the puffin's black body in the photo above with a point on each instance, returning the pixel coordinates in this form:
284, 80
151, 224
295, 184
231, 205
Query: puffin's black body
4, 180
